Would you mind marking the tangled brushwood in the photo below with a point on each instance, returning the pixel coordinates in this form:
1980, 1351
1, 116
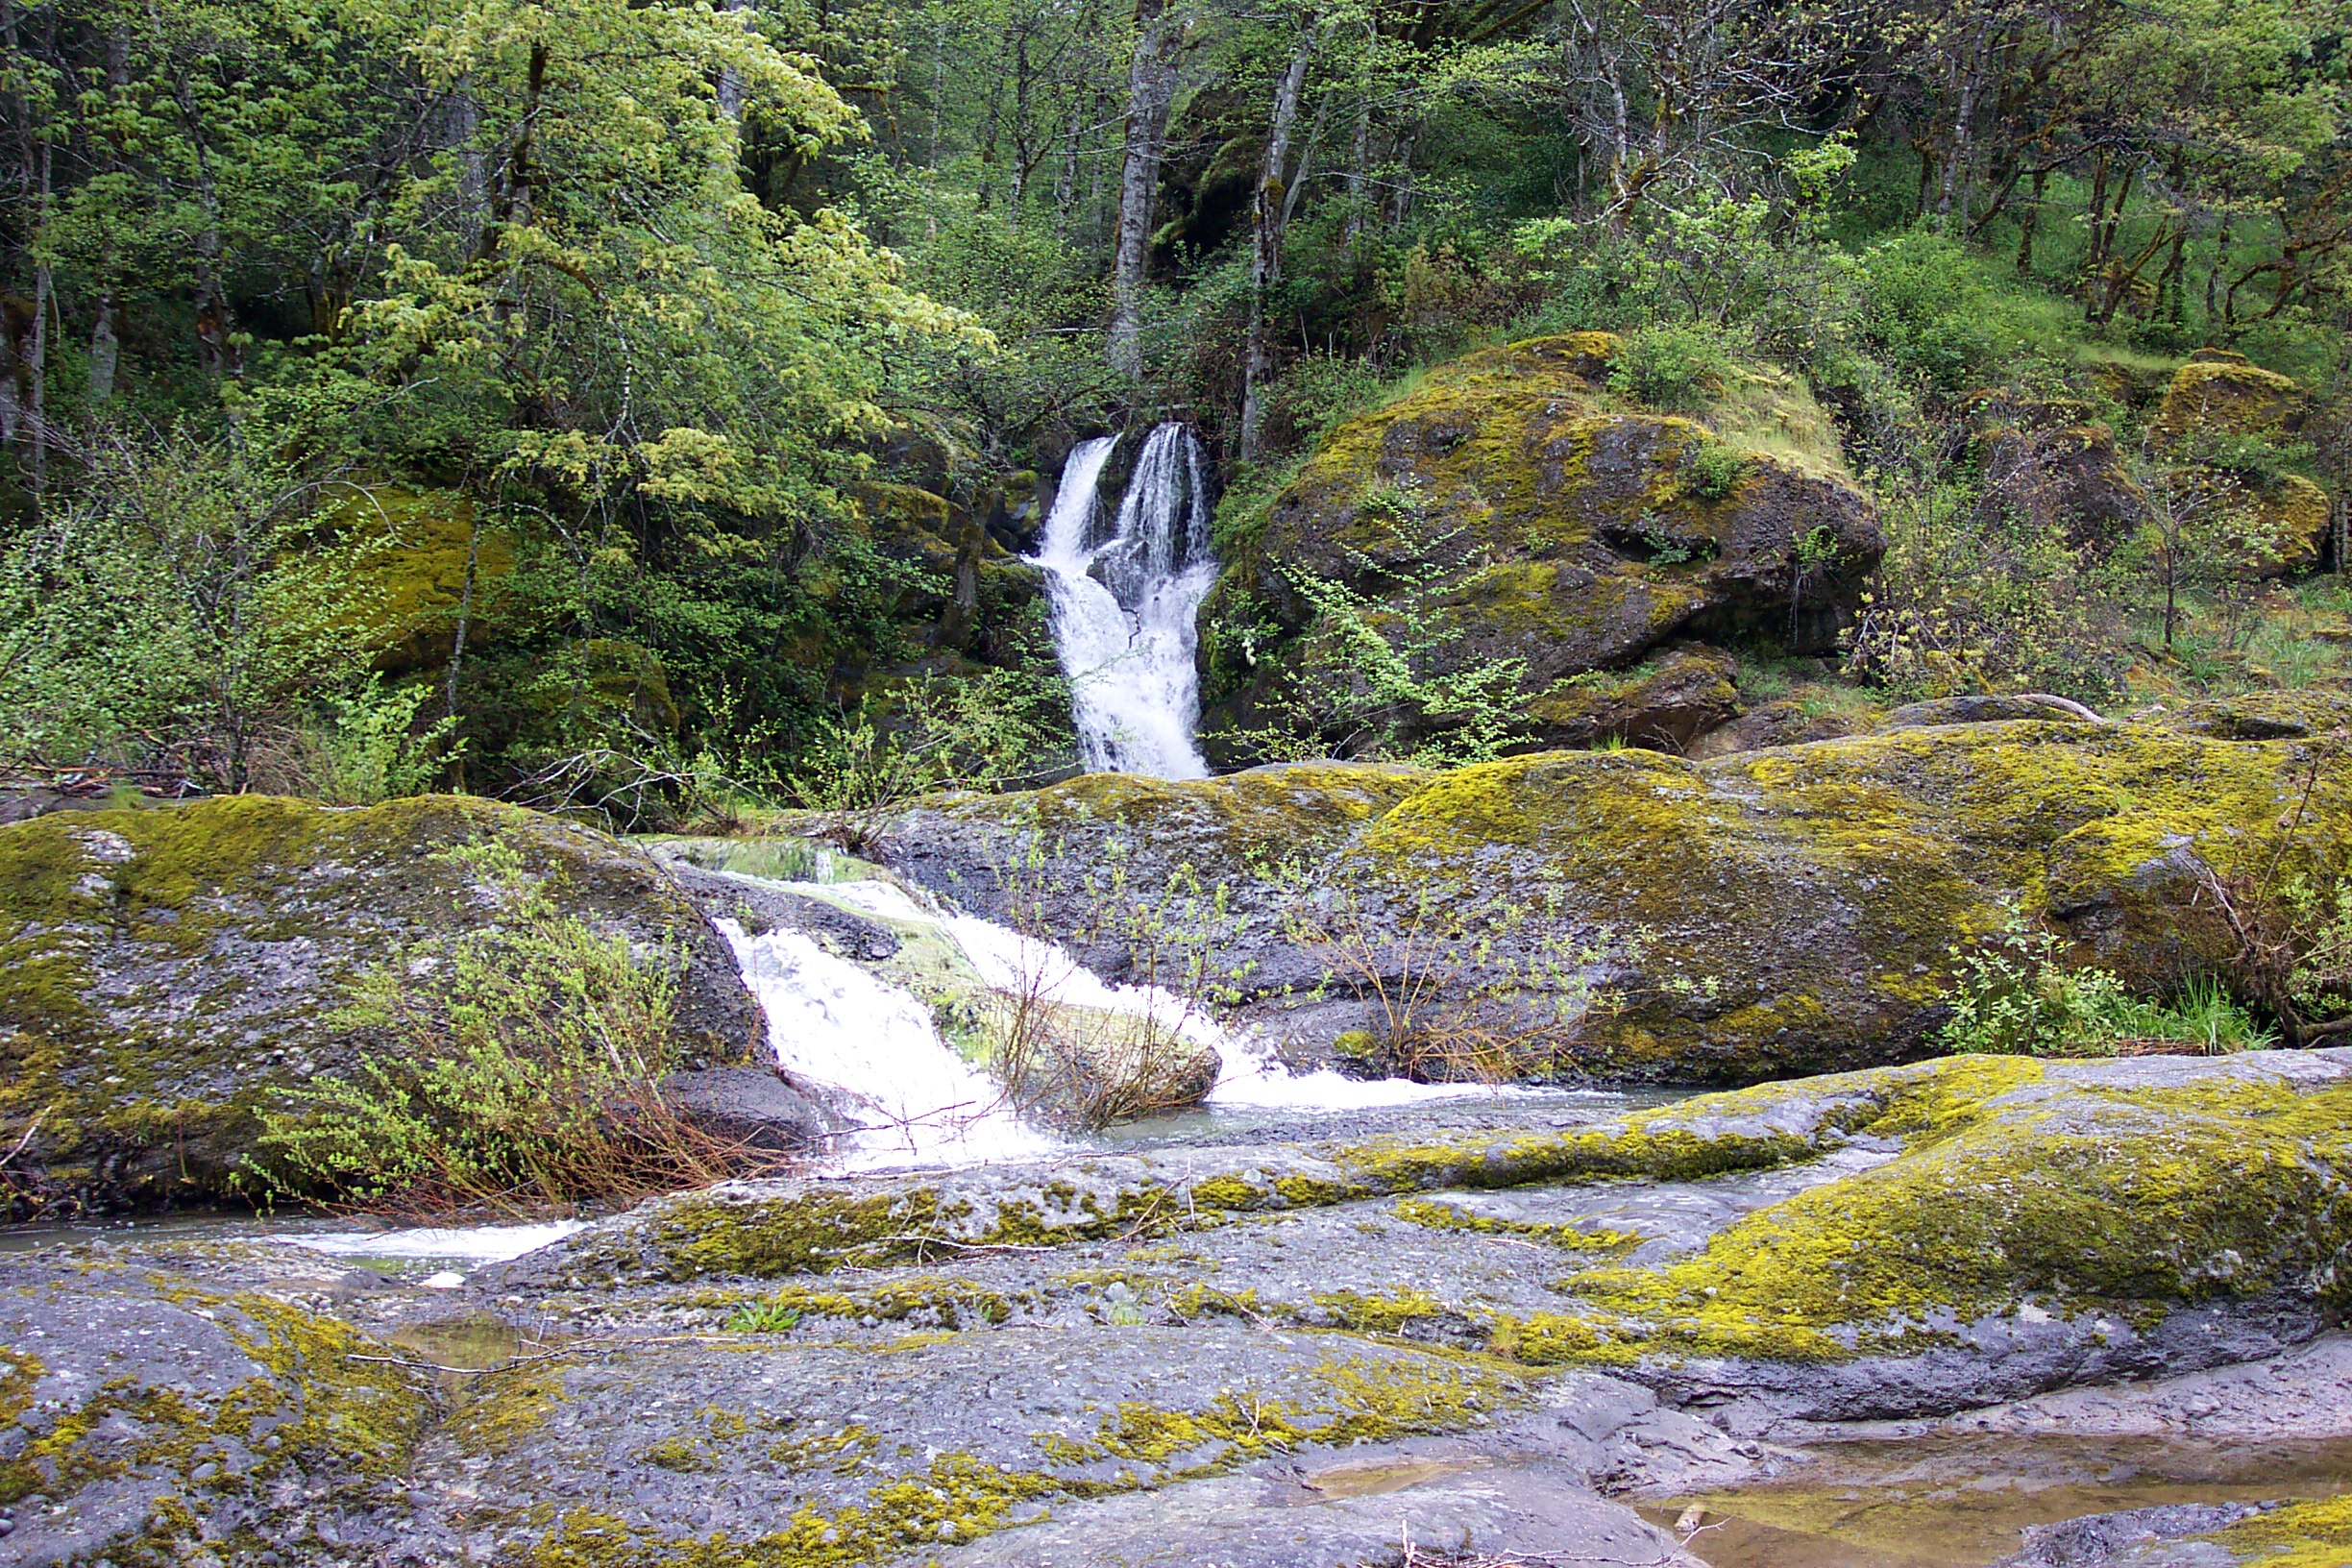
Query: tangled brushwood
522, 1067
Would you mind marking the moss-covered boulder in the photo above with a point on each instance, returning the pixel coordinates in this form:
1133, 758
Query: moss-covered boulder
1774, 911
1511, 508
1663, 702
2223, 393
2067, 480
161, 973
2278, 523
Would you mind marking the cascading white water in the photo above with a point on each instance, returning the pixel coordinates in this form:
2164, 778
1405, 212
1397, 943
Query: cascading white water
832, 1021
1126, 600
919, 1102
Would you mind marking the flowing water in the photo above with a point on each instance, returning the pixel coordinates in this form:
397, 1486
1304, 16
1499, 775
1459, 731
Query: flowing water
917, 1101
1125, 592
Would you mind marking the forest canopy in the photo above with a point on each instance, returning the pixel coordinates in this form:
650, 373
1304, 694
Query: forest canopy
628, 406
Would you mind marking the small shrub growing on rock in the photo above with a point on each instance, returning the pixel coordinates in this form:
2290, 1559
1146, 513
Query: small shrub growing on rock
1092, 1066
1716, 471
2015, 996
523, 1068
764, 1317
1677, 369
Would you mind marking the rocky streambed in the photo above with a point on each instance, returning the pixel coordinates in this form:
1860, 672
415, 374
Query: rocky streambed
1885, 1317
1932, 1314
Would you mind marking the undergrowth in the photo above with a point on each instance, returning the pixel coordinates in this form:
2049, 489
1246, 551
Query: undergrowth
522, 1066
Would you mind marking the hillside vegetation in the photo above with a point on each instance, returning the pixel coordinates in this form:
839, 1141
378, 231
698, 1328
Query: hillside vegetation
639, 408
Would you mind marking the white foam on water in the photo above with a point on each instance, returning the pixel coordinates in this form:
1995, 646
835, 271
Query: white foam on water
833, 1022
837, 1023
1125, 602
474, 1244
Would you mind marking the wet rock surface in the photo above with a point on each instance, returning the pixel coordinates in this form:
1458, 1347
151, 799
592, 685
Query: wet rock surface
1498, 1339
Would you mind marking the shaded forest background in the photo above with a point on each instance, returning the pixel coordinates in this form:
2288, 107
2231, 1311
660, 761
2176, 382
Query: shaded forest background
637, 408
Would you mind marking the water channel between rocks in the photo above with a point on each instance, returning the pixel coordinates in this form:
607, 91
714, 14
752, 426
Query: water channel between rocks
1960, 1501
872, 1034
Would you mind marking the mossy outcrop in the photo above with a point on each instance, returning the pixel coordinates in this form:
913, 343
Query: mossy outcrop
1901, 1240
1775, 911
1212, 1351
2221, 393
1509, 507
162, 971
157, 1424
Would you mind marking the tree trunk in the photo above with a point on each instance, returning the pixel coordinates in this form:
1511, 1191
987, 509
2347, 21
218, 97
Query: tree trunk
730, 84
2213, 277
1066, 179
1151, 89
2027, 224
465, 609
1358, 171
1401, 200
1265, 240
1022, 161
1964, 124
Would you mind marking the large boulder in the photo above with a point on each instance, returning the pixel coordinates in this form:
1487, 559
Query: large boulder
2219, 392
1511, 508
2059, 471
167, 970
1635, 915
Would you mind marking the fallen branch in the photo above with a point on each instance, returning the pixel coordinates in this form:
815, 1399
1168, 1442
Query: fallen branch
32, 1127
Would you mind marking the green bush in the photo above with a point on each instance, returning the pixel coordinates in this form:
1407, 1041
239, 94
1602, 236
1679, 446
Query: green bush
1928, 307
2014, 996
1716, 471
1677, 368
522, 1067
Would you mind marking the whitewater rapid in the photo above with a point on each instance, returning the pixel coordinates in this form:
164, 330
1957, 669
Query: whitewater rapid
918, 1102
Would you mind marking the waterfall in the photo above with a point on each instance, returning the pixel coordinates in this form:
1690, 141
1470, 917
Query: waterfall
1125, 604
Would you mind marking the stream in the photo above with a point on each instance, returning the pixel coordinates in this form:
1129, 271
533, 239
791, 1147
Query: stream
1960, 1500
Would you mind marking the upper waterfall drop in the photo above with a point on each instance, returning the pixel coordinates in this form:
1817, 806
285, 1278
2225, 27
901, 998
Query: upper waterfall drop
1125, 600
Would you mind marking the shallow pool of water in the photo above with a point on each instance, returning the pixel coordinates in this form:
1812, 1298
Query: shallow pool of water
393, 1249
1951, 1502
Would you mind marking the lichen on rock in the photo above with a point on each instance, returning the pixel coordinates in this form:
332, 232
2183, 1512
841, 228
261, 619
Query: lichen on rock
166, 971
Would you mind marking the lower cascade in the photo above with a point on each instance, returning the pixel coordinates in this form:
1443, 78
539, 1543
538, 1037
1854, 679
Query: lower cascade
1126, 592
878, 1048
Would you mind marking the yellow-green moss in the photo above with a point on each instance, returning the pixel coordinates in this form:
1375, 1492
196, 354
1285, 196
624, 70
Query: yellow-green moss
323, 1410
2225, 397
1352, 1399
2304, 1536
503, 1407
2083, 1202
1445, 1217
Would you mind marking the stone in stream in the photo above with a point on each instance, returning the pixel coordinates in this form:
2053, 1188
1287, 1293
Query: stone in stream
1633, 916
